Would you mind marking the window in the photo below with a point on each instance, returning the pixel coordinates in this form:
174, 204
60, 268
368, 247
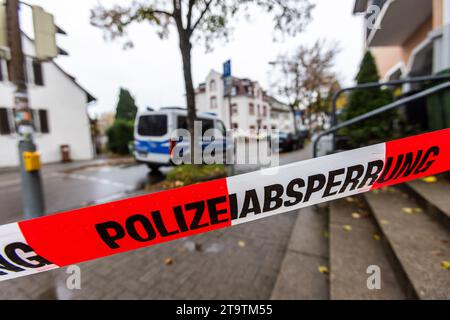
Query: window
234, 109
251, 107
212, 85
43, 121
37, 73
39, 119
235, 126
259, 110
5, 127
33, 72
3, 70
264, 111
152, 125
213, 103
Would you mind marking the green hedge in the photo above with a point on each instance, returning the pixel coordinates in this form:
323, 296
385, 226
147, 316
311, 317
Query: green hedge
119, 135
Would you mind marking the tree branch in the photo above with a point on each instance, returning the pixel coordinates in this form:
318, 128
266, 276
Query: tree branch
202, 14
189, 14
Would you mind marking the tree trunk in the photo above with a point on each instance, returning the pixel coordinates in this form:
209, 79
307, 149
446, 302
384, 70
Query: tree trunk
295, 120
185, 47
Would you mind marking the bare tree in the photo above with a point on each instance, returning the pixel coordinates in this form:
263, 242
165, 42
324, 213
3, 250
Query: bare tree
304, 77
197, 20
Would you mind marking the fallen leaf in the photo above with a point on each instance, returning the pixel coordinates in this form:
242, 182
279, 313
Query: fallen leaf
376, 237
168, 261
323, 269
326, 234
384, 221
430, 179
407, 210
347, 227
356, 215
418, 210
445, 264
241, 243
376, 191
179, 183
436, 253
350, 199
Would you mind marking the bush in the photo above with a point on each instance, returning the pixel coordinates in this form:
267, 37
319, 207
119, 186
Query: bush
362, 101
189, 174
119, 135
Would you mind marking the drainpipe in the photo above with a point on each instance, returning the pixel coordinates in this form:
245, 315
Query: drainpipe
446, 35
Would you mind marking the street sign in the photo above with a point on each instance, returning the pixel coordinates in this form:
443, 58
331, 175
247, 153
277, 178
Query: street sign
227, 80
44, 33
227, 69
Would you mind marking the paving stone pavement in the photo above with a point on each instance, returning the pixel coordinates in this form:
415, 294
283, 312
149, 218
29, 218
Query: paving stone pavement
240, 262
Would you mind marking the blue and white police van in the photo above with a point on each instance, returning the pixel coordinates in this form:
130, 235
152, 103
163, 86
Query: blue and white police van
153, 134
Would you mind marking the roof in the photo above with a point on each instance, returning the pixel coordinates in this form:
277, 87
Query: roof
90, 97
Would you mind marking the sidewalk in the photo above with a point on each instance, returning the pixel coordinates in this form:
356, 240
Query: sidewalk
73, 165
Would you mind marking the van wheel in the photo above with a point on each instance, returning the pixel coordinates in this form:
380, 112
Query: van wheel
153, 167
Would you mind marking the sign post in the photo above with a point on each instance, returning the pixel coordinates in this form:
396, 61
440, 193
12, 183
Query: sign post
228, 85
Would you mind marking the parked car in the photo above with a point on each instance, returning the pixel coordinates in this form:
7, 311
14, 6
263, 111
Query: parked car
290, 141
153, 141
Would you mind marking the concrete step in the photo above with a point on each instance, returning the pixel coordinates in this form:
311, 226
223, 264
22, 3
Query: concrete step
419, 243
299, 277
354, 246
434, 197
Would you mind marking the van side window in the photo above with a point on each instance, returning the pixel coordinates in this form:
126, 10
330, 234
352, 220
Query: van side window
182, 122
206, 123
221, 127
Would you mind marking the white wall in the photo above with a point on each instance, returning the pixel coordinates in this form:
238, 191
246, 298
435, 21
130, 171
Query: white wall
243, 118
68, 122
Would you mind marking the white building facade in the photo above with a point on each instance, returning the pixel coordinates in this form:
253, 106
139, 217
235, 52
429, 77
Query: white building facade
250, 107
59, 107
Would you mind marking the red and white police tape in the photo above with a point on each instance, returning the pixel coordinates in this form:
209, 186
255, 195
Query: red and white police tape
75, 236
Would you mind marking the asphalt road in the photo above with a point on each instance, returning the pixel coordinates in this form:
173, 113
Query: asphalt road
66, 189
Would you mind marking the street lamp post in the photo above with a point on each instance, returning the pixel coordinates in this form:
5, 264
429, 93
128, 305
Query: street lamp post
32, 193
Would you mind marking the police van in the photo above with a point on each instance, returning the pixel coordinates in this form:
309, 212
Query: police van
153, 140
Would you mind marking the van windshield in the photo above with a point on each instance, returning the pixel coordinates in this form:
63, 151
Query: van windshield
154, 125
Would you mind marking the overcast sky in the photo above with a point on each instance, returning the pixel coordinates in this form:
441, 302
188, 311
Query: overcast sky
152, 69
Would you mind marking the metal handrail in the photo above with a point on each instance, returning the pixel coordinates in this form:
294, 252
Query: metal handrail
375, 112
378, 85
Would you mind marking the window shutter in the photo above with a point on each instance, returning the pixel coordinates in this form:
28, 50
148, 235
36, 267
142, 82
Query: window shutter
35, 118
4, 122
43, 121
37, 73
